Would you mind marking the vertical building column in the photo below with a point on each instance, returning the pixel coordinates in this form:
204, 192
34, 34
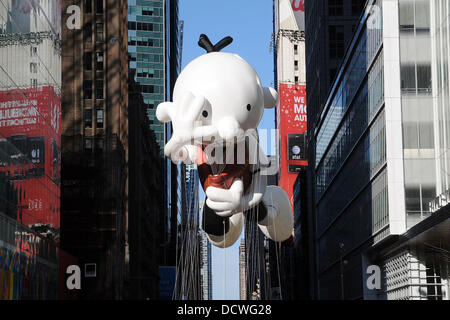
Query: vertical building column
393, 111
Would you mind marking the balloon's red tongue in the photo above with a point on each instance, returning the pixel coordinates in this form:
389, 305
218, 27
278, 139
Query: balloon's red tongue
223, 175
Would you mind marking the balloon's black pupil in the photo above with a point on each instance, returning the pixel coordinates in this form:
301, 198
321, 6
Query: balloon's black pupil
249, 107
205, 113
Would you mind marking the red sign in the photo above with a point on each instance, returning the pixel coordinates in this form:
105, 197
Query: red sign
30, 141
292, 126
292, 99
298, 6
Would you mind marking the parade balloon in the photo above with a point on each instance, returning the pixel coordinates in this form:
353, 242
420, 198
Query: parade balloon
218, 102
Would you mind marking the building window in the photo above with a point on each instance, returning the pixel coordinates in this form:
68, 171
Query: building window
145, 26
87, 32
147, 12
332, 75
131, 25
33, 51
406, 9
336, 34
99, 61
87, 6
88, 144
33, 67
99, 32
335, 7
33, 83
295, 49
131, 41
99, 122
87, 87
424, 78
296, 80
88, 60
148, 89
357, 7
99, 89
295, 65
99, 143
88, 118
99, 6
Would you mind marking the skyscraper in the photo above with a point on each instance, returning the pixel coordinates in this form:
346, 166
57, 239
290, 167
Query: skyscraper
380, 159
154, 45
329, 29
146, 45
145, 202
95, 146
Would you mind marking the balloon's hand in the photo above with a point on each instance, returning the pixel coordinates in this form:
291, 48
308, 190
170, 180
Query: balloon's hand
185, 121
225, 202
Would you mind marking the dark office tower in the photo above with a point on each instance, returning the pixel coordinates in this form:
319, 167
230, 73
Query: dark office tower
95, 145
145, 201
329, 28
381, 159
154, 45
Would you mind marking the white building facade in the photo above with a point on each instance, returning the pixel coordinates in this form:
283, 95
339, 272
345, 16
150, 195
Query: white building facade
382, 157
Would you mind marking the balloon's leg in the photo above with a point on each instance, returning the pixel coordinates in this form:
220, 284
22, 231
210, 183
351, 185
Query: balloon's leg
279, 220
222, 232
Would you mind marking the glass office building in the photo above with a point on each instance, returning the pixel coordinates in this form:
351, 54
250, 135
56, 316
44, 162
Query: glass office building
146, 46
381, 158
154, 47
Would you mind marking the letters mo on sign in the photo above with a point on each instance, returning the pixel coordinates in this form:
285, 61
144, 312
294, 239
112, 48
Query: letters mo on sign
292, 100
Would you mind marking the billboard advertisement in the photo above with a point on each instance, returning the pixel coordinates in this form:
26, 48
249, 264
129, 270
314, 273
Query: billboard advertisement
34, 16
30, 152
289, 15
298, 7
292, 128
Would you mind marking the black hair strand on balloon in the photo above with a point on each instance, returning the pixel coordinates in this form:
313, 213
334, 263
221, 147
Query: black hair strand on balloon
206, 44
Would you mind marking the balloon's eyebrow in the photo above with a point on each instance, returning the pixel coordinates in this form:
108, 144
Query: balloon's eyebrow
206, 44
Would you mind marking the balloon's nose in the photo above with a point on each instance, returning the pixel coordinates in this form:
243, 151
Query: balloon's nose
228, 128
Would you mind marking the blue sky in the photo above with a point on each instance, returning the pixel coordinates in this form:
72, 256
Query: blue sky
249, 22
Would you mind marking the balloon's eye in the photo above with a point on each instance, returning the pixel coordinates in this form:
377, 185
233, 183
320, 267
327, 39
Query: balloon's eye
204, 113
249, 107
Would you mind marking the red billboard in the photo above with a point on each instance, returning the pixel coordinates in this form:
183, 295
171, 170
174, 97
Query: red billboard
30, 152
292, 125
298, 7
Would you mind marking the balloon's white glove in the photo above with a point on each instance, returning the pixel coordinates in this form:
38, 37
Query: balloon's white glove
186, 122
225, 202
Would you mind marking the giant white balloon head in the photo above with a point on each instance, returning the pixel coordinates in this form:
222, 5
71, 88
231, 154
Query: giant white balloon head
234, 97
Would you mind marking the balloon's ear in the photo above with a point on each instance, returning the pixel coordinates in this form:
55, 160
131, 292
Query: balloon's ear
164, 112
270, 97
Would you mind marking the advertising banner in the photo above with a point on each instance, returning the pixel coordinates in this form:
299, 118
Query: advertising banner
30, 144
292, 126
298, 7
293, 108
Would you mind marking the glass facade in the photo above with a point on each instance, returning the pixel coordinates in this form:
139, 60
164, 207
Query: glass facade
441, 86
418, 112
351, 196
30, 147
146, 46
357, 164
